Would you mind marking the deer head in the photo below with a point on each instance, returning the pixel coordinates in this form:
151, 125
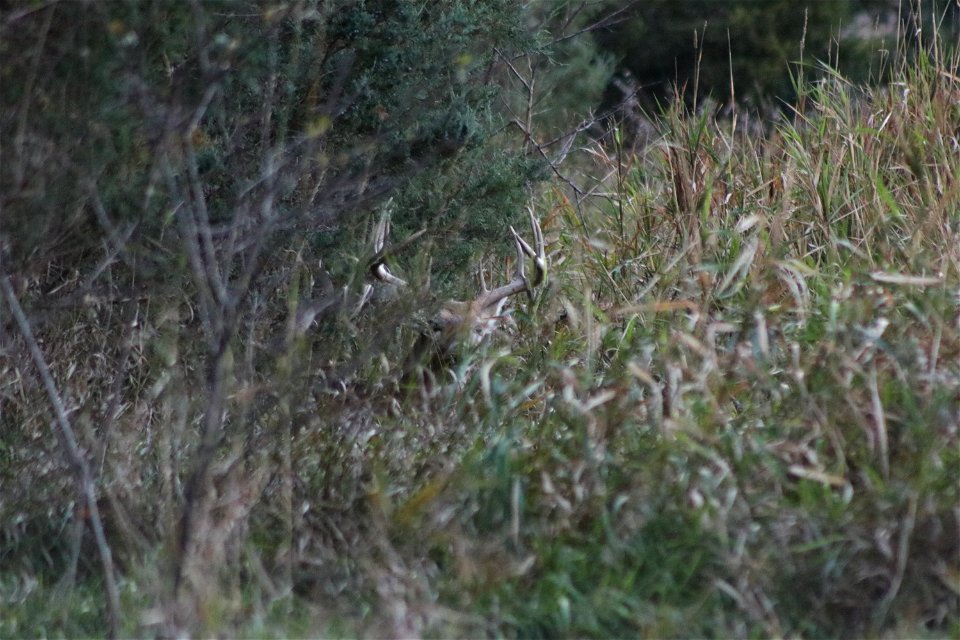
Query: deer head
457, 320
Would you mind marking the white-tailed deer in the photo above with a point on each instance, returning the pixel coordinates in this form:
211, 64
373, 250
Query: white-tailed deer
457, 320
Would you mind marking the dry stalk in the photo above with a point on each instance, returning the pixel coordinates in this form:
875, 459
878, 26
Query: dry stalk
75, 457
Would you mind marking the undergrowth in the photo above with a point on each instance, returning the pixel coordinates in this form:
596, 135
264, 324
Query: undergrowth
732, 411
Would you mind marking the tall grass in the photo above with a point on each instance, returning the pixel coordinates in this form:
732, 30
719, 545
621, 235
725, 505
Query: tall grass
732, 412
736, 410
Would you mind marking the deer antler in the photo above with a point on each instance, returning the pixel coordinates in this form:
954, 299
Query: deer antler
378, 265
456, 318
520, 283
487, 298
333, 301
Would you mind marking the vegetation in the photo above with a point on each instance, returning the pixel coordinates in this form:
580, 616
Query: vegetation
732, 410
742, 47
666, 44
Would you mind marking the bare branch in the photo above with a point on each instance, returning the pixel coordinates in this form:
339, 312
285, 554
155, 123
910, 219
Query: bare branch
75, 457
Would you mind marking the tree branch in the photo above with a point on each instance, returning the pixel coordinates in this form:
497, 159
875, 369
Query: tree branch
75, 456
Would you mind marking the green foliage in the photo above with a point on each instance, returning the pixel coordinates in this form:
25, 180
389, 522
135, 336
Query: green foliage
347, 101
731, 412
602, 587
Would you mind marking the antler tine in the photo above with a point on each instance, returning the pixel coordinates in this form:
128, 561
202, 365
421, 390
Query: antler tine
540, 259
522, 249
378, 266
483, 280
381, 231
537, 252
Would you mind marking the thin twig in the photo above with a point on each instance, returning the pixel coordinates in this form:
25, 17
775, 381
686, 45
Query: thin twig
75, 456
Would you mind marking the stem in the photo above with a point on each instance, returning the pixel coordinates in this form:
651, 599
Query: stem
75, 456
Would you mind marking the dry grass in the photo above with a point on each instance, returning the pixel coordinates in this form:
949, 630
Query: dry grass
732, 412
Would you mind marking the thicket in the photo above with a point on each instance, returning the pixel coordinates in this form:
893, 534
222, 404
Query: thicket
186, 193
731, 411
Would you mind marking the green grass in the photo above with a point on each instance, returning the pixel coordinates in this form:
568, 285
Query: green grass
732, 412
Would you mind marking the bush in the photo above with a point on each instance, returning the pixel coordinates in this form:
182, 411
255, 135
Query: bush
730, 411
183, 184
